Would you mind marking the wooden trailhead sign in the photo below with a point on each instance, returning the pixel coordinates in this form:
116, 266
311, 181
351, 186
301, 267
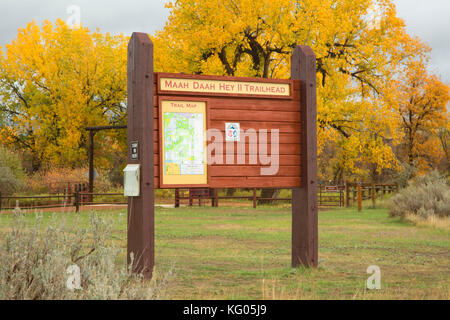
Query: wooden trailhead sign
220, 132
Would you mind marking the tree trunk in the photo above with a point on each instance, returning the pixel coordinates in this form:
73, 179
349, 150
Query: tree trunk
268, 193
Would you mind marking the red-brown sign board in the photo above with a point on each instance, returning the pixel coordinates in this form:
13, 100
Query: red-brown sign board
262, 116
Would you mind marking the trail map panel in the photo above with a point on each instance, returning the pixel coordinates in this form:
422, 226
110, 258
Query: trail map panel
183, 142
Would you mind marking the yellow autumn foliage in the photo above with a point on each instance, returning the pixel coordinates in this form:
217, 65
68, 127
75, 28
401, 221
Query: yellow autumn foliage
360, 47
54, 82
420, 101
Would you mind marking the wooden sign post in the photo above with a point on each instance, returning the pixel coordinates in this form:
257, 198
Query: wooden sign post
141, 212
221, 132
304, 199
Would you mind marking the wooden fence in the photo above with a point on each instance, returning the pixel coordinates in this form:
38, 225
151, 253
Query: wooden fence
328, 196
357, 192
65, 187
203, 195
77, 199
208, 194
349, 194
331, 196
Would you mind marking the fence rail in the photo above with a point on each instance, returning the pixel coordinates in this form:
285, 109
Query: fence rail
77, 199
357, 192
328, 196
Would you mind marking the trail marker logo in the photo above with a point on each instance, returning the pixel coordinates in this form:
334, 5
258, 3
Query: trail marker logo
232, 131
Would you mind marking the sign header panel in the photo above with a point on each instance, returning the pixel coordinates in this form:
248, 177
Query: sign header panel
224, 87
183, 143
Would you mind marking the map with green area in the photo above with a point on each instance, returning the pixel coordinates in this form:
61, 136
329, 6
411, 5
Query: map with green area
184, 148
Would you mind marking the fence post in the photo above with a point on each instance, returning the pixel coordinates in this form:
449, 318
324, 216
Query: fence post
177, 198
359, 191
320, 194
374, 195
347, 195
254, 198
77, 200
216, 196
88, 196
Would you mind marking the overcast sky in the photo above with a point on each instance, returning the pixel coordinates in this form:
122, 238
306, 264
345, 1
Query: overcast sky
428, 19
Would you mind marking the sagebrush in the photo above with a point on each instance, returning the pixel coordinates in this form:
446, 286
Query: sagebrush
35, 261
427, 195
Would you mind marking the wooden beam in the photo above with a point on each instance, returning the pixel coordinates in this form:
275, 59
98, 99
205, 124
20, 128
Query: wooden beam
91, 161
141, 240
105, 128
359, 190
304, 198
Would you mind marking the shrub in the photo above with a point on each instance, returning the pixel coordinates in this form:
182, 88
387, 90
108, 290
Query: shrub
52, 178
424, 196
103, 182
45, 180
12, 176
406, 173
35, 262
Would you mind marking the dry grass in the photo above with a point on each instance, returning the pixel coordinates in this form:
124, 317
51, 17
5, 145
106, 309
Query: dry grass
430, 221
244, 253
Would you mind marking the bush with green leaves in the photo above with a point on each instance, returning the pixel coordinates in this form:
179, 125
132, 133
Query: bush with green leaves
36, 260
12, 176
424, 196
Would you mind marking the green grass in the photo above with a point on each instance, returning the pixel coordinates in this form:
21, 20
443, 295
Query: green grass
244, 253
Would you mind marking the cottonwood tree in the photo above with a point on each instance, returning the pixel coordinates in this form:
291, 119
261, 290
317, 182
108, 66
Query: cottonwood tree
420, 100
55, 81
357, 58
